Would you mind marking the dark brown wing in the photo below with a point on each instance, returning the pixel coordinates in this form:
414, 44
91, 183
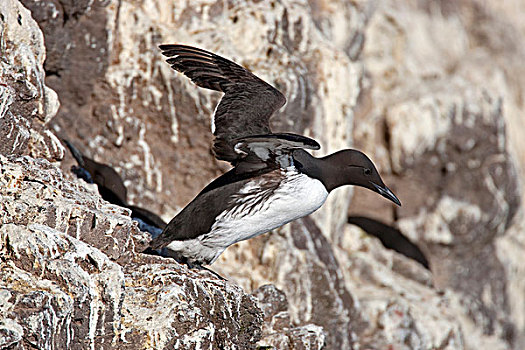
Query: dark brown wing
248, 101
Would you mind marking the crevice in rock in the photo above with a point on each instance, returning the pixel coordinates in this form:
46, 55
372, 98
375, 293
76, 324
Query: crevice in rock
52, 72
28, 179
388, 145
65, 18
391, 238
386, 137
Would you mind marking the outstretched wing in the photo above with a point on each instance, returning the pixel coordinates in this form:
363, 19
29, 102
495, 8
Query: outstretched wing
247, 104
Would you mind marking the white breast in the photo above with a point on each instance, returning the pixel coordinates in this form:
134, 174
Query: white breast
297, 195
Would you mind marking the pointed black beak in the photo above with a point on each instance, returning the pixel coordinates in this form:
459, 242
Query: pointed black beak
385, 192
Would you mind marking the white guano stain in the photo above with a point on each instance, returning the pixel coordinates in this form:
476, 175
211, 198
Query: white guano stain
6, 98
147, 155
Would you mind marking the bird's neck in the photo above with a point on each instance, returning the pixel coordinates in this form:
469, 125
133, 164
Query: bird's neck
317, 168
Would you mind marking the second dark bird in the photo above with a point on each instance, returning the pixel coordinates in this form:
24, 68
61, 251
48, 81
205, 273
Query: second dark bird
111, 188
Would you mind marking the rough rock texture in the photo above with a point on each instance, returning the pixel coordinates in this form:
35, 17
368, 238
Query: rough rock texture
73, 279
300, 261
33, 193
399, 303
431, 91
440, 99
26, 103
278, 330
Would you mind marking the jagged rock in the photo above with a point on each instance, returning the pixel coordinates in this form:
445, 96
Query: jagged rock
278, 331
26, 103
509, 250
299, 261
58, 291
400, 306
166, 308
34, 192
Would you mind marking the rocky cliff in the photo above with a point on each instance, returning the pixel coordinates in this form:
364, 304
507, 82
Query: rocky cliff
431, 91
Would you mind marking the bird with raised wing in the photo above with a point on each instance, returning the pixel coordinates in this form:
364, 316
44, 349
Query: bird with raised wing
273, 180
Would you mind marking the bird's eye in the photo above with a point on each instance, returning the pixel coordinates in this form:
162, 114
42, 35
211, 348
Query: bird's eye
367, 172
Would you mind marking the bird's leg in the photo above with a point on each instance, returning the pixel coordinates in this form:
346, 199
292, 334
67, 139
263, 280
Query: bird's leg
200, 267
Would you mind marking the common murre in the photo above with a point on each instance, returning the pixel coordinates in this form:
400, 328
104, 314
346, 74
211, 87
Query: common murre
111, 188
273, 180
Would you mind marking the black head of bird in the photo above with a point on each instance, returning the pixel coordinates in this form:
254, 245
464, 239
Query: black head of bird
345, 167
